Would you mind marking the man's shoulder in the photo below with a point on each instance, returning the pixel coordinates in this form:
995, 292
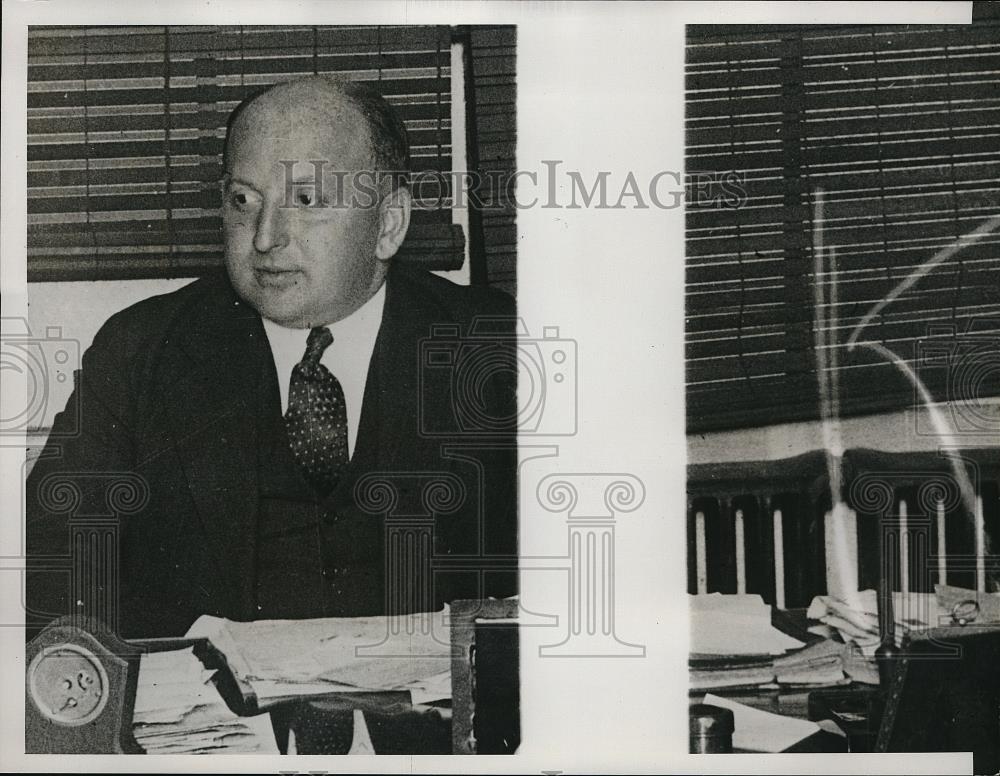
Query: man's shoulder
157, 316
455, 302
210, 288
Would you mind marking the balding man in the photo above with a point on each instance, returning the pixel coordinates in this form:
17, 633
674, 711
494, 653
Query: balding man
268, 423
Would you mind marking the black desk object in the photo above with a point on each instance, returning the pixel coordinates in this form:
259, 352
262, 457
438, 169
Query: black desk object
485, 677
943, 696
855, 710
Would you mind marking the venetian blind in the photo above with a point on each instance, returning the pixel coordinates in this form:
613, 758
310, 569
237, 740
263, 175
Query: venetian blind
126, 127
493, 116
898, 126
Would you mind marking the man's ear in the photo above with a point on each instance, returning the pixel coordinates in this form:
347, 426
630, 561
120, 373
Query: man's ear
394, 220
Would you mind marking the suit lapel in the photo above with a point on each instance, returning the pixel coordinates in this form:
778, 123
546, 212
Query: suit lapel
220, 376
217, 364
388, 437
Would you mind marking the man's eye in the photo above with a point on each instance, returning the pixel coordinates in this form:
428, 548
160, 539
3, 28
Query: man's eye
239, 199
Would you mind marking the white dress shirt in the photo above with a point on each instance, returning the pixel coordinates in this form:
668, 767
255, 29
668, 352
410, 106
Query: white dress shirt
347, 358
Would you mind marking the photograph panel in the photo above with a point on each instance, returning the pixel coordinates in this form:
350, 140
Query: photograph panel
843, 321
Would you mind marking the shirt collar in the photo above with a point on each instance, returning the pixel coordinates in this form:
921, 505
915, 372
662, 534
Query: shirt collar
361, 326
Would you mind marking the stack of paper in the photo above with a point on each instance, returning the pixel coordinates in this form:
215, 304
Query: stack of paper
179, 711
856, 620
283, 659
818, 665
733, 642
735, 625
730, 673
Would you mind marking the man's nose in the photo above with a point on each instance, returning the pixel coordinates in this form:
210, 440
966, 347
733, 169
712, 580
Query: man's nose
272, 229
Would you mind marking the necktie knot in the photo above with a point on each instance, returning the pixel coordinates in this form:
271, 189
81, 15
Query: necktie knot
319, 340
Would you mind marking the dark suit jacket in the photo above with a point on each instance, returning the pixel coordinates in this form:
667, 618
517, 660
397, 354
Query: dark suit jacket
143, 507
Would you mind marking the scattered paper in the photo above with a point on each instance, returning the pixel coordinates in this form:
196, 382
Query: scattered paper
179, 711
857, 617
855, 621
433, 688
735, 625
755, 730
860, 666
818, 665
725, 674
281, 659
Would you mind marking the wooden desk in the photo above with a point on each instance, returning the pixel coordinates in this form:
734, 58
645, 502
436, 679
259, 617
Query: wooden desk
483, 718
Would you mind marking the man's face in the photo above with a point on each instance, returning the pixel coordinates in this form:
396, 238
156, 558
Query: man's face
299, 264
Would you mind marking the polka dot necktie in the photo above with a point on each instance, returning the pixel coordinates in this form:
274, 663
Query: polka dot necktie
317, 416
